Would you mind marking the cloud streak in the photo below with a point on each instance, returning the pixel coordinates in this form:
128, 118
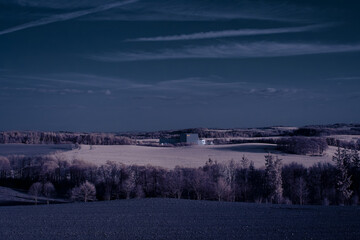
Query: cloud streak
66, 16
189, 88
209, 10
344, 79
228, 33
228, 50
63, 4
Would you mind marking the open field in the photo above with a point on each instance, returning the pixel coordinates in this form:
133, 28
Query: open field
168, 157
192, 156
178, 219
32, 149
347, 138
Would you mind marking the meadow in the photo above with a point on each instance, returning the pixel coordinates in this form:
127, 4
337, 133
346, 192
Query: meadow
167, 157
189, 156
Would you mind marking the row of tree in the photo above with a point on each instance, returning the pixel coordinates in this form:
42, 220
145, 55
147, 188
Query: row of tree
326, 130
352, 144
303, 145
32, 137
323, 183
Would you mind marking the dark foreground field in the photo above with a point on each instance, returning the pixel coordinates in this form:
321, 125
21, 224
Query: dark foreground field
178, 219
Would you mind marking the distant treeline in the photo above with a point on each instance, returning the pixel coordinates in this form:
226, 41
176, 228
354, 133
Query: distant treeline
213, 133
326, 130
220, 136
31, 137
294, 145
344, 144
308, 131
323, 183
303, 145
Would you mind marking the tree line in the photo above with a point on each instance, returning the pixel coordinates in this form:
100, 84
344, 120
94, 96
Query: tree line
326, 130
322, 183
302, 145
32, 137
294, 145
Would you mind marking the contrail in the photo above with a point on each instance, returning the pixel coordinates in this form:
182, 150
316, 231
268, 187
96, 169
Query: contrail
65, 16
229, 33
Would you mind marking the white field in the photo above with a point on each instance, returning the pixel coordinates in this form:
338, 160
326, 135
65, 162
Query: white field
193, 156
347, 138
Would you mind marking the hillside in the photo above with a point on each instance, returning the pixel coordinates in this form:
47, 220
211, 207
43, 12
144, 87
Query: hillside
178, 219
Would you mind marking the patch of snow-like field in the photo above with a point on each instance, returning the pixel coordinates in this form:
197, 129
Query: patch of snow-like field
347, 138
190, 156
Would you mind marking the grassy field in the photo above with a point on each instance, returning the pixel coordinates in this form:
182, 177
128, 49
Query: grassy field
193, 156
178, 219
168, 157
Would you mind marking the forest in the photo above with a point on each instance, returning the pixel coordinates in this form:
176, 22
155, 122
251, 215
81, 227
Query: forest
322, 183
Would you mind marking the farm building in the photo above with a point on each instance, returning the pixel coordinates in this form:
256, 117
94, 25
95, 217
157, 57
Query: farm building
190, 138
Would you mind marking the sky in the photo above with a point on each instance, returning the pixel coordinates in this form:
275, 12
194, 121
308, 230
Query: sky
145, 65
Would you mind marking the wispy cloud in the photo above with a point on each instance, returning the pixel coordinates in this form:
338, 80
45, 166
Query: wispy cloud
203, 88
75, 79
229, 33
208, 10
45, 90
66, 16
64, 83
63, 4
229, 50
344, 79
198, 88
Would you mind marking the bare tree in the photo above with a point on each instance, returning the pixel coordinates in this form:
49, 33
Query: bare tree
81, 171
301, 191
110, 175
355, 159
222, 189
48, 169
175, 182
242, 178
140, 192
342, 161
129, 184
35, 191
49, 190
85, 192
244, 162
273, 178
228, 171
4, 166
199, 183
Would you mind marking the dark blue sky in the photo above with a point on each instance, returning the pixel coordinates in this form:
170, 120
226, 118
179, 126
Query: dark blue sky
105, 65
